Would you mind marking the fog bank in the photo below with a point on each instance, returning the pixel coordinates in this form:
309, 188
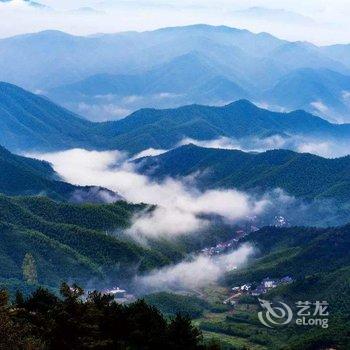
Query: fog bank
196, 273
181, 208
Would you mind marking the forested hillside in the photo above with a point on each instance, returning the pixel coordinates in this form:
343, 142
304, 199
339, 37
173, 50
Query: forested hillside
318, 262
297, 251
30, 122
69, 242
164, 129
26, 176
301, 175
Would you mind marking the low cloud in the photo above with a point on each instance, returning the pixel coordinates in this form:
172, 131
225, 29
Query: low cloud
327, 148
21, 5
102, 112
181, 209
150, 152
221, 142
104, 107
199, 272
166, 95
346, 96
94, 195
319, 107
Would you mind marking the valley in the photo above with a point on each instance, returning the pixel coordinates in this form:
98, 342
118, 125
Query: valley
150, 184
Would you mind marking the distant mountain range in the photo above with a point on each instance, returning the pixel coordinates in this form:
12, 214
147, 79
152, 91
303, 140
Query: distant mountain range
302, 175
110, 76
107, 76
271, 14
184, 80
70, 58
31, 122
321, 91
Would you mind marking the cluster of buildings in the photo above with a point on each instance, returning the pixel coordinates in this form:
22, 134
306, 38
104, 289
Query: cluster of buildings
220, 248
256, 289
223, 247
267, 283
250, 226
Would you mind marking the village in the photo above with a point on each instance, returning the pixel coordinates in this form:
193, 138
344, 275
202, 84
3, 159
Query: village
251, 226
224, 247
122, 296
256, 289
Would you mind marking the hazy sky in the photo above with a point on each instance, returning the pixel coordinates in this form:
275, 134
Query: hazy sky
319, 21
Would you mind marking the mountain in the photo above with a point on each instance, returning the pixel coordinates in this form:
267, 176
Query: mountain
186, 79
31, 122
299, 250
164, 129
61, 54
252, 62
69, 58
172, 76
319, 91
274, 15
299, 54
299, 174
338, 52
25, 176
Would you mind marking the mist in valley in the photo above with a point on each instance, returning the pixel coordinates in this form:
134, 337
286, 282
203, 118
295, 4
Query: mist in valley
180, 207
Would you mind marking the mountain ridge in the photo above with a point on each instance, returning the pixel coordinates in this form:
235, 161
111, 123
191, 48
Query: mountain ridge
300, 174
20, 176
254, 62
33, 123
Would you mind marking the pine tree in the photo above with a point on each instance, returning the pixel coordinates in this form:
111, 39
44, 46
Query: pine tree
29, 269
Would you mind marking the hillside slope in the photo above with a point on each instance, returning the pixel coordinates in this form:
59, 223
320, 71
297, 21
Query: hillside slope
31, 177
319, 91
69, 242
297, 251
164, 129
28, 121
318, 262
303, 175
